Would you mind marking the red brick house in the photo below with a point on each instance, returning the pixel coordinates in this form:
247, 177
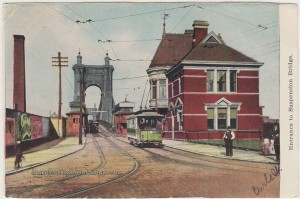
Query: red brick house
213, 86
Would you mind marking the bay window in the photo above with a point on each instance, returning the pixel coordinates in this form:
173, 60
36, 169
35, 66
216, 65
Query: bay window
162, 89
153, 89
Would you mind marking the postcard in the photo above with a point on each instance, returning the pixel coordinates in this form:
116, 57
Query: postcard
107, 99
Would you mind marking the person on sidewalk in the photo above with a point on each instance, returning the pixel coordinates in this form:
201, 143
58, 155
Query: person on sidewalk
19, 154
276, 138
228, 138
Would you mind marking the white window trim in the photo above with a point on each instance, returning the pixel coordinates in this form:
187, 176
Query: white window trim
227, 119
158, 89
227, 104
215, 88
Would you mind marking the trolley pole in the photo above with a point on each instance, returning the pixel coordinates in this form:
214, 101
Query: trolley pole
57, 62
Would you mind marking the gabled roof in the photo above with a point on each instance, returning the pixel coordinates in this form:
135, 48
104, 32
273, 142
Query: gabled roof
216, 52
172, 48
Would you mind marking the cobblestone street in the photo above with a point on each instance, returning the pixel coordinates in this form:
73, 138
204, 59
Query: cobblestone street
109, 167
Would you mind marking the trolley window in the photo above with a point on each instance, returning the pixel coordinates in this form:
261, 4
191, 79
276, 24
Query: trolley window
149, 123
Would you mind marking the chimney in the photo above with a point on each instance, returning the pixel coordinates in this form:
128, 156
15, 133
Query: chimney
200, 31
189, 32
19, 93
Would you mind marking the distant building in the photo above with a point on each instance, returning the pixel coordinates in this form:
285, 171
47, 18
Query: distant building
210, 86
121, 111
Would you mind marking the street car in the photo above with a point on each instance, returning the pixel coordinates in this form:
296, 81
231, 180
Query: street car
144, 127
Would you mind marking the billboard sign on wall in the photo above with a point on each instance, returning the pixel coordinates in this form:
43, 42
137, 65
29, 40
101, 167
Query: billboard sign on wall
36, 127
10, 128
24, 126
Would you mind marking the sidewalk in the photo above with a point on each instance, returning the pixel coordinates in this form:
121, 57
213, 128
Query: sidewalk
219, 152
66, 147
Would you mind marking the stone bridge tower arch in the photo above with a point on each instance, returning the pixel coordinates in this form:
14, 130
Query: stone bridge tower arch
94, 75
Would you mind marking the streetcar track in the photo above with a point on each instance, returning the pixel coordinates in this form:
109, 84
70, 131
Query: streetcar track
131, 172
102, 164
194, 155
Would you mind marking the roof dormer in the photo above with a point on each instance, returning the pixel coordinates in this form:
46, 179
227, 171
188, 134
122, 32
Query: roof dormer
212, 38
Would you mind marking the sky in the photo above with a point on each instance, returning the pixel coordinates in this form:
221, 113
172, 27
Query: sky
49, 28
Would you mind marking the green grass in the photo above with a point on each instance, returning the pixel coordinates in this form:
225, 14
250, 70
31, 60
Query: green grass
255, 145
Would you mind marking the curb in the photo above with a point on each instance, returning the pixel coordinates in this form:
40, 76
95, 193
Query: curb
185, 150
42, 163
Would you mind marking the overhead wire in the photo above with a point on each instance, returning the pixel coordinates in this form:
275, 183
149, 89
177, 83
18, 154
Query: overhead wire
138, 40
138, 14
251, 50
267, 53
141, 106
131, 77
251, 33
73, 20
249, 23
61, 13
182, 18
87, 20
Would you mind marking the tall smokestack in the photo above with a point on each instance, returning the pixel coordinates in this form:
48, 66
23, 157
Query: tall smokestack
19, 95
200, 31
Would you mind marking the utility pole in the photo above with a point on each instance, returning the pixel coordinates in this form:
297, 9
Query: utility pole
80, 120
81, 102
57, 62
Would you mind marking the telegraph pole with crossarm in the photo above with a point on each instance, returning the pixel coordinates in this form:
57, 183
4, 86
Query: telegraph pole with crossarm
59, 62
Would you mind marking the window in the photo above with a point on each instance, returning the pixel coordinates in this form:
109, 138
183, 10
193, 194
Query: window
179, 118
232, 81
73, 120
153, 89
210, 118
162, 89
172, 85
210, 80
222, 81
233, 120
222, 118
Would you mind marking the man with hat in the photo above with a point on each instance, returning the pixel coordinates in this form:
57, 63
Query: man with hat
19, 154
228, 138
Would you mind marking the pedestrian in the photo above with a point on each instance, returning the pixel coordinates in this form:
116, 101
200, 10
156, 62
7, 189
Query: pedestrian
228, 138
276, 137
142, 124
19, 154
